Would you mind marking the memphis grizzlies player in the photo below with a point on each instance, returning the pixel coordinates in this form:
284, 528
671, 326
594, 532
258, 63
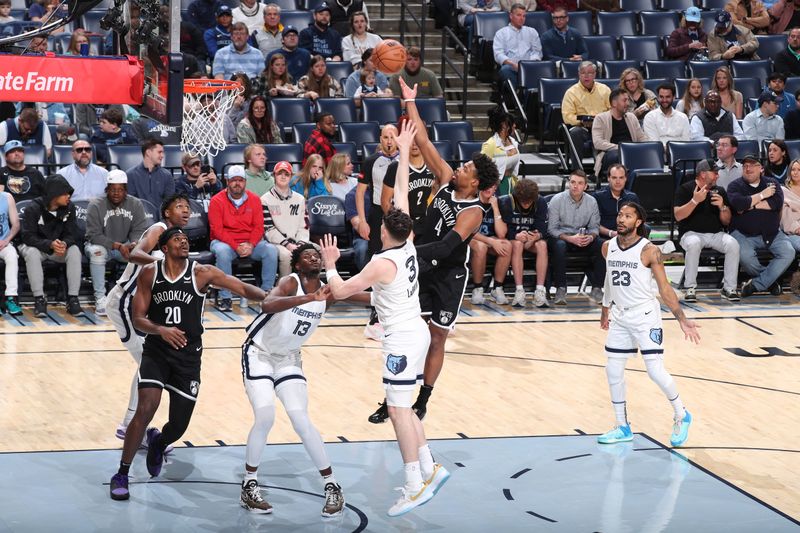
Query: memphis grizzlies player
634, 323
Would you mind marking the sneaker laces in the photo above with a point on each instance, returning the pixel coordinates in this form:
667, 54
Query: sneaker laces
253, 491
333, 495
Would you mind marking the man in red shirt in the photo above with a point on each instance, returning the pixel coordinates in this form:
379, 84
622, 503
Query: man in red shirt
321, 139
236, 220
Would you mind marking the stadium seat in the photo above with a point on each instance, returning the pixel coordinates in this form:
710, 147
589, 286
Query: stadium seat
339, 69
309, 5
653, 83
676, 5
197, 231
359, 132
342, 109
453, 132
616, 24
707, 20
367, 149
793, 146
541, 21
530, 72
172, 157
301, 131
640, 48
299, 19
643, 156
569, 69
582, 21
792, 86
285, 5
291, 152
151, 213
665, 69
656, 192
636, 5
287, 111
445, 150
713, 5
614, 69
90, 21
348, 148
658, 22
62, 155
747, 147
381, 110
124, 156
683, 157
682, 83
431, 109
705, 69
749, 87
602, 47
551, 94
326, 215
467, 148
760, 69
233, 154
484, 28
771, 45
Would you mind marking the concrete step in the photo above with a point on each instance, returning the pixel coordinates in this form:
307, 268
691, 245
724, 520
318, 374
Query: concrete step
391, 24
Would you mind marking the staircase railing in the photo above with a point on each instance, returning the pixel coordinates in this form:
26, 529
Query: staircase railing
405, 10
463, 74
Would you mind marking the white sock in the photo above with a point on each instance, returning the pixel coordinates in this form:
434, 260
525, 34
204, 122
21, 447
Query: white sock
329, 479
539, 287
520, 288
677, 406
413, 476
426, 461
621, 413
248, 475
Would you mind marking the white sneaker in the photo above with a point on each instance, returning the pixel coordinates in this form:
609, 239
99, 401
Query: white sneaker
499, 296
438, 478
540, 298
100, 306
243, 302
519, 298
477, 296
374, 331
410, 500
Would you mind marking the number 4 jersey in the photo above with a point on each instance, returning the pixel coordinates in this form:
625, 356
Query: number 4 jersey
630, 282
282, 334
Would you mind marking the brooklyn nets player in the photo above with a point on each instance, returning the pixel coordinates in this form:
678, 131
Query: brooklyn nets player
453, 218
635, 320
168, 307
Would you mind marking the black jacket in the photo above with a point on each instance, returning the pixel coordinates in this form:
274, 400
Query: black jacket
40, 227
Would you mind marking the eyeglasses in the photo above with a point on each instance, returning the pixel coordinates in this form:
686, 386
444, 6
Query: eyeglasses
195, 164
559, 17
82, 149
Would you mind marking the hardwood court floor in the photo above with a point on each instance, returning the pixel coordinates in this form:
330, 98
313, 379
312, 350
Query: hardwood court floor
507, 373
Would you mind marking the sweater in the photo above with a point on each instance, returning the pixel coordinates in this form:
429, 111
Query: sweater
106, 224
285, 218
558, 48
755, 222
235, 225
326, 43
790, 219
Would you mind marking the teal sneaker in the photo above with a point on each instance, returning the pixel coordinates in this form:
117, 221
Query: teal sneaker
618, 434
680, 431
12, 306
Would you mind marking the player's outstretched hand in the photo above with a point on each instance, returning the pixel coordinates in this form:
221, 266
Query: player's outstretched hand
330, 251
408, 92
174, 337
690, 332
406, 137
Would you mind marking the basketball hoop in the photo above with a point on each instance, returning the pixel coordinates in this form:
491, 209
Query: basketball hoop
205, 105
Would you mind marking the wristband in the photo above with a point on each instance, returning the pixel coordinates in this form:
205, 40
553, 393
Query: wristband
331, 272
407, 100
693, 201
761, 196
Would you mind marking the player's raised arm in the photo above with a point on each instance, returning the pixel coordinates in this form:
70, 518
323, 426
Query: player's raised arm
651, 258
381, 271
284, 296
404, 141
208, 275
430, 155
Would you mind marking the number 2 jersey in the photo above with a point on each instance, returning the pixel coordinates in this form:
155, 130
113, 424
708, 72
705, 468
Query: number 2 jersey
441, 218
282, 334
630, 282
177, 303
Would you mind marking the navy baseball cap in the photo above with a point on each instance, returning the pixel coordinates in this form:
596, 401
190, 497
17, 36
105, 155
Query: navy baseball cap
289, 29
723, 20
322, 7
224, 10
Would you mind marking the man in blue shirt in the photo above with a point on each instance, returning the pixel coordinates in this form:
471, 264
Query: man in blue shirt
320, 38
610, 198
220, 35
149, 180
238, 56
297, 59
562, 43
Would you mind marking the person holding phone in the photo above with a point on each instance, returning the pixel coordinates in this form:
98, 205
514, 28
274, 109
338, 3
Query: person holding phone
199, 181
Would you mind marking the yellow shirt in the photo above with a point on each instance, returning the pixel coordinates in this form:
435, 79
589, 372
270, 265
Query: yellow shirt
578, 101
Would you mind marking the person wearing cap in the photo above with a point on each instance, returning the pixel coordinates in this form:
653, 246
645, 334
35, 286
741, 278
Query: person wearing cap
713, 122
220, 35
776, 82
320, 38
197, 182
149, 180
731, 41
703, 212
9, 228
251, 13
563, 42
750, 14
87, 180
764, 123
18, 179
50, 231
238, 56
268, 36
297, 59
236, 222
28, 129
757, 202
285, 218
353, 81
689, 39
114, 222
787, 61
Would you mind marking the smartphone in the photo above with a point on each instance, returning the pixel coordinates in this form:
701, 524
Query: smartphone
205, 169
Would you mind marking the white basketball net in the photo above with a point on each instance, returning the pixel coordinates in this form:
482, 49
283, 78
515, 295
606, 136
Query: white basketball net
204, 120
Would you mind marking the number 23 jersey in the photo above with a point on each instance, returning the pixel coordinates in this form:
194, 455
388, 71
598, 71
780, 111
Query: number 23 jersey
629, 281
283, 333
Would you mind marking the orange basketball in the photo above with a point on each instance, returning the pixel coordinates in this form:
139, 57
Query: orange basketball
389, 56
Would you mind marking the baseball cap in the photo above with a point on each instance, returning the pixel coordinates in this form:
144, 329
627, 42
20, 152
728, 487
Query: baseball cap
13, 145
705, 165
236, 171
751, 157
116, 176
723, 20
283, 165
322, 7
692, 14
188, 158
289, 29
224, 10
767, 96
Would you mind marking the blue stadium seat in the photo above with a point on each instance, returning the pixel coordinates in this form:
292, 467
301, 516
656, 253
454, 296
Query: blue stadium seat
616, 24
453, 132
172, 157
747, 147
326, 215
684, 155
233, 154
569, 69
682, 83
381, 110
582, 22
602, 47
614, 69
301, 131
749, 87
707, 19
342, 109
287, 111
771, 45
760, 69
643, 156
309, 5
445, 150
792, 85
713, 5
359, 132
676, 5
705, 69
291, 152
530, 72
431, 109
653, 83
551, 94
349, 149
640, 48
197, 231
285, 5
467, 148
90, 21
793, 145
658, 22
124, 156
665, 69
339, 69
636, 5
487, 24
541, 21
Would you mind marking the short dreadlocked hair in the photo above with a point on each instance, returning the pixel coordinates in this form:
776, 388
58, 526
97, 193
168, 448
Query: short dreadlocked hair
297, 252
640, 213
488, 176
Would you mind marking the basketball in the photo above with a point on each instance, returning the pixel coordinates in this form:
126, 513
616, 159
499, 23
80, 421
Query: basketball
389, 56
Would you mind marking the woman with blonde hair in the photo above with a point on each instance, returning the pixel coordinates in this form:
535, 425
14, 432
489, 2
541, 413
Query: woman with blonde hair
339, 176
692, 101
77, 38
312, 180
642, 100
318, 83
732, 100
790, 217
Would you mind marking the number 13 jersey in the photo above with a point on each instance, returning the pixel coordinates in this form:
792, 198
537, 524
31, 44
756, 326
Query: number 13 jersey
629, 281
283, 333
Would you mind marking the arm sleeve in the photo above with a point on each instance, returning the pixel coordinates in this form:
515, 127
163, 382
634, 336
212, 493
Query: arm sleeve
580, 46
569, 109
553, 221
306, 42
540, 220
751, 43
273, 234
749, 126
697, 132
440, 249
30, 230
498, 47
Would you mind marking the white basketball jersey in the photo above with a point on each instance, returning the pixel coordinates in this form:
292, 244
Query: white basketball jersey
285, 332
631, 283
397, 302
132, 271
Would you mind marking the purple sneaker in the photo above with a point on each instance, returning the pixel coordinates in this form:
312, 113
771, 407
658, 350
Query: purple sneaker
119, 487
155, 454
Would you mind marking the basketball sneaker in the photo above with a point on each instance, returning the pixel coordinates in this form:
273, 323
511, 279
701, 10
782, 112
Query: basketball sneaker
251, 498
690, 295
74, 306
477, 297
499, 296
119, 487
680, 430
561, 296
100, 307
410, 500
731, 296
12, 306
618, 434
224, 305
334, 501
155, 454
438, 478
39, 307
540, 298
519, 298
380, 415
123, 430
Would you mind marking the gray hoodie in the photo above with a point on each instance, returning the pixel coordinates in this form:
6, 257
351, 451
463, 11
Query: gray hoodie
106, 224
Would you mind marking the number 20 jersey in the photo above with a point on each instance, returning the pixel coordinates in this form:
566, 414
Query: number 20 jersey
629, 281
283, 333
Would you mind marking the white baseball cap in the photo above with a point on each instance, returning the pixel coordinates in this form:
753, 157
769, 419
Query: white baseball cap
117, 176
236, 171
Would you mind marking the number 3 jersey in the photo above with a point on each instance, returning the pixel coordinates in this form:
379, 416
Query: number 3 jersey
397, 302
177, 303
282, 334
630, 282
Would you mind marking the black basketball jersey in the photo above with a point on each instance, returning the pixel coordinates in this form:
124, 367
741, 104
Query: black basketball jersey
420, 183
177, 303
441, 218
